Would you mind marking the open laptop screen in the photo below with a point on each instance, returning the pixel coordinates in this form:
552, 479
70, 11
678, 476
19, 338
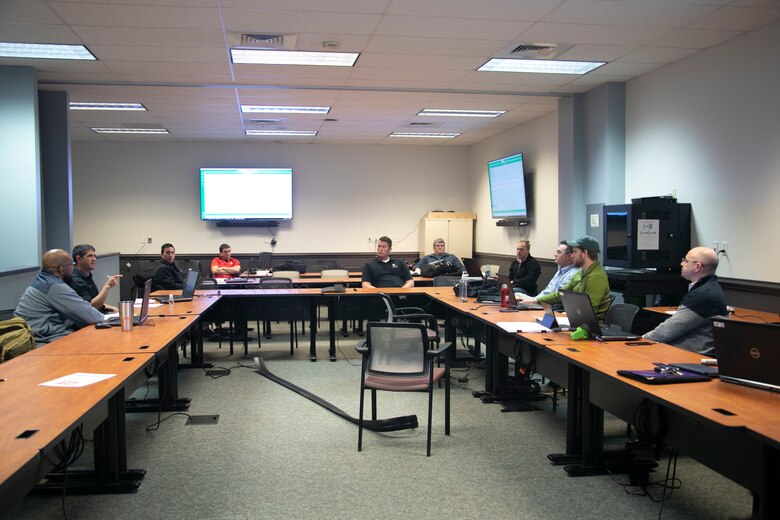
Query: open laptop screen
748, 353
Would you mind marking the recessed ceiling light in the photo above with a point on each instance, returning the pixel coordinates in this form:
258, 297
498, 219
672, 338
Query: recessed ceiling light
130, 130
257, 109
433, 135
289, 133
107, 106
46, 51
266, 57
540, 66
460, 113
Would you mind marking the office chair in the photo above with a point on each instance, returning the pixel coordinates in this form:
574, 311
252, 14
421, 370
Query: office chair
396, 358
412, 315
282, 309
492, 268
188, 265
621, 315
334, 273
293, 275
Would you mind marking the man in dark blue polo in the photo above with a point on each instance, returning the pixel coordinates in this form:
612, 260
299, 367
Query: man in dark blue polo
384, 271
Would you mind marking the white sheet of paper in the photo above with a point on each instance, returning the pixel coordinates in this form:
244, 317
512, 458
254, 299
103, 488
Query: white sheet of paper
522, 326
77, 380
563, 321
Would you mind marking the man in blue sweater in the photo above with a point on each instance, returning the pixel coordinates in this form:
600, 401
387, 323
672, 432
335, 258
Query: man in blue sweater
50, 306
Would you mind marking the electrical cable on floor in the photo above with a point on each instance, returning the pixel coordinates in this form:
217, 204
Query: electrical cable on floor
156, 426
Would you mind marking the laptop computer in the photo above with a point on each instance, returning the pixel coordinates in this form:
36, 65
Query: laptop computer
748, 353
580, 313
548, 319
472, 267
114, 321
189, 288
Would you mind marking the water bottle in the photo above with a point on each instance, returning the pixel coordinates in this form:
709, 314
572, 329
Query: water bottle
170, 299
463, 289
504, 296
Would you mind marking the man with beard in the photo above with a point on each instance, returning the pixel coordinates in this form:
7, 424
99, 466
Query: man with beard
85, 261
50, 306
590, 278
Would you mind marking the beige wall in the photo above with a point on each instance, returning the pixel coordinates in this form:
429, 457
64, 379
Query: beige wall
342, 194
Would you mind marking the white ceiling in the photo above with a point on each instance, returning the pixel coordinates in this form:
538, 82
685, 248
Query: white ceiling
172, 56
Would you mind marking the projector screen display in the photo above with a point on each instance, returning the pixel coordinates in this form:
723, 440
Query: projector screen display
246, 193
507, 187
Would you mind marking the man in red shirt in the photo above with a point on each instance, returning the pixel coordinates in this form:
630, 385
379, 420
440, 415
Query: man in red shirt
225, 266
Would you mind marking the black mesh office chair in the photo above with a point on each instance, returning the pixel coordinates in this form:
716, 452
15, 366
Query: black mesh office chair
396, 357
621, 315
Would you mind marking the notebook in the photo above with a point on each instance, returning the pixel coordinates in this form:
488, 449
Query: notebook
189, 288
114, 321
748, 353
580, 313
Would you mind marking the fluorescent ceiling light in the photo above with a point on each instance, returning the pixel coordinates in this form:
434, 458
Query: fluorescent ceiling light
540, 66
266, 57
107, 106
130, 130
257, 109
288, 133
433, 135
45, 50
460, 113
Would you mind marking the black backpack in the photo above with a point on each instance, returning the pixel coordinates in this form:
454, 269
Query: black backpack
438, 268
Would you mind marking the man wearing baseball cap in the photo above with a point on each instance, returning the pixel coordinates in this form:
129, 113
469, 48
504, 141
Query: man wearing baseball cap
590, 278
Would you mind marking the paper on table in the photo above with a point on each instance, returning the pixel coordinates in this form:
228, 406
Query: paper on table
563, 321
140, 301
670, 312
522, 326
77, 380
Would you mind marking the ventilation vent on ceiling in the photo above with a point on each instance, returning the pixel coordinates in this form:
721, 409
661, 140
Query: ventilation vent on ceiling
534, 50
263, 41
264, 122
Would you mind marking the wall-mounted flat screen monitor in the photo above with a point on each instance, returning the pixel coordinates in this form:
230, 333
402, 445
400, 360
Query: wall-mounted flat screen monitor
507, 187
245, 194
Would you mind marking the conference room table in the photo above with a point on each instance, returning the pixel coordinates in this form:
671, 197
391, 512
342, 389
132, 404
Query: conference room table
740, 313
732, 429
197, 307
39, 422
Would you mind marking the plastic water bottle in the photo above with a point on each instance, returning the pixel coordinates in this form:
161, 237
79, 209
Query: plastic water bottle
463, 289
170, 299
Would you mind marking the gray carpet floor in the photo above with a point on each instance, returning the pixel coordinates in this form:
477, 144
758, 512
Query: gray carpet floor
274, 454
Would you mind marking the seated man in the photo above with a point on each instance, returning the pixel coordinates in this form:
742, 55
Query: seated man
85, 260
689, 327
590, 278
50, 306
525, 269
566, 269
384, 271
224, 265
168, 275
438, 254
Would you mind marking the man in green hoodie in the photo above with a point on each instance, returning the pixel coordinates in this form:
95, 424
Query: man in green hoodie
590, 278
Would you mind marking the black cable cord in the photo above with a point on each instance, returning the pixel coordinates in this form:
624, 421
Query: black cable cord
156, 425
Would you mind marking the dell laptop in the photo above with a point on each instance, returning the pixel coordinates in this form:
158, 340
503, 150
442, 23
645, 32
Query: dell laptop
189, 288
748, 353
580, 313
115, 321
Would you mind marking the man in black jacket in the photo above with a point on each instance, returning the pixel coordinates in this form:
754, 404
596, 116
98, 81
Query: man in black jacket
525, 270
168, 275
85, 261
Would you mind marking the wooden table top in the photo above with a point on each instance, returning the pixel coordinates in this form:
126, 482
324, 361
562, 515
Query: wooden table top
151, 337
25, 405
740, 313
199, 304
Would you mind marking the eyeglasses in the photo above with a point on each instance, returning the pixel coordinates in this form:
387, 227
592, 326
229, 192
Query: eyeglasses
686, 261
